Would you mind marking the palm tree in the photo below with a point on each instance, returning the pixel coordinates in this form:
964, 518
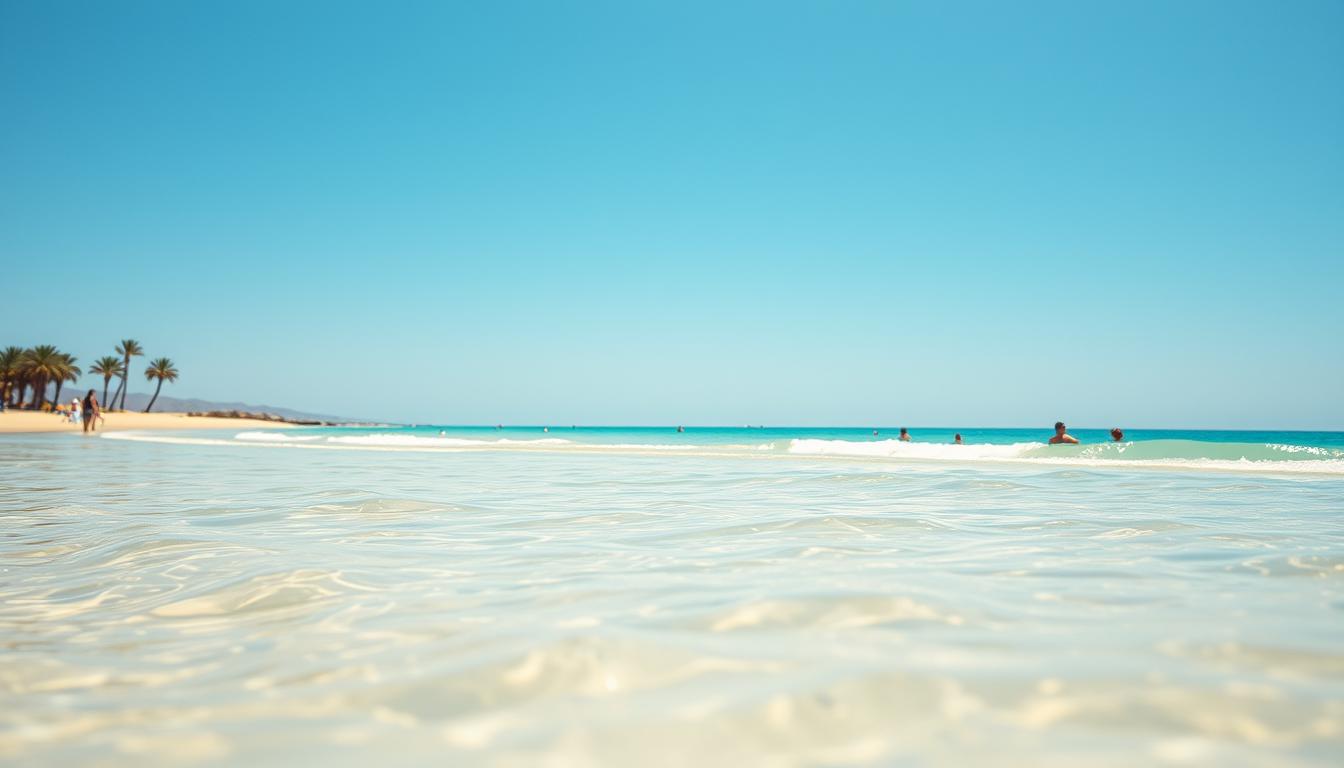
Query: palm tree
69, 372
10, 358
20, 376
128, 348
107, 367
163, 370
25, 378
41, 365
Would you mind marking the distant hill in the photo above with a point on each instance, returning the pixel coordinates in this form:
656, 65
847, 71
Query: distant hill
137, 402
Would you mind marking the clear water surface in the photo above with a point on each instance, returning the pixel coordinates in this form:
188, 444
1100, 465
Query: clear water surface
407, 597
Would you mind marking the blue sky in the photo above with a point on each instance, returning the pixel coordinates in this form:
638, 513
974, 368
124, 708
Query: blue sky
780, 213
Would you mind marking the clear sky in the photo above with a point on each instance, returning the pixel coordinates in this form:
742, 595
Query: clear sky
680, 212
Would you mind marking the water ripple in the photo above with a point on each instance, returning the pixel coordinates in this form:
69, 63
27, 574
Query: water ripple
198, 603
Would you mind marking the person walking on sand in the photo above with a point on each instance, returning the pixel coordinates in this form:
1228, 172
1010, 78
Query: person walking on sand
1062, 435
92, 411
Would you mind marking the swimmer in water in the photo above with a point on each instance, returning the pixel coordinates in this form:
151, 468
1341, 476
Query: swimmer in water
1062, 435
1117, 434
905, 435
681, 429
957, 438
874, 433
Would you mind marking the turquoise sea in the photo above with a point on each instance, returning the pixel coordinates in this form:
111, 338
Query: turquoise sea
642, 596
1313, 452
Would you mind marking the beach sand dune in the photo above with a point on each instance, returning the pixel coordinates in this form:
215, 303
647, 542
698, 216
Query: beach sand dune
31, 421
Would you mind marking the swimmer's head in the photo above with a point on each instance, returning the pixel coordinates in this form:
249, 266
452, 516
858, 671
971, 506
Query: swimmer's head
1059, 427
1117, 434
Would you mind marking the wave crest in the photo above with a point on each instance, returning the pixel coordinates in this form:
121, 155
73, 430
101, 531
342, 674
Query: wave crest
275, 437
897, 449
418, 441
1193, 455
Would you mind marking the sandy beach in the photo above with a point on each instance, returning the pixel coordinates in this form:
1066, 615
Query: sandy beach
30, 421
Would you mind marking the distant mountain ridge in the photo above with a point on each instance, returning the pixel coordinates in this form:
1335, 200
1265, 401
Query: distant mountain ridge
137, 402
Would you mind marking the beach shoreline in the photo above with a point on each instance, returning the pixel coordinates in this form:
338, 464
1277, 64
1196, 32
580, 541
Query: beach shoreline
22, 422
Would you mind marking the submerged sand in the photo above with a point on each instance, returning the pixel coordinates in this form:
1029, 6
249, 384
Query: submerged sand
219, 602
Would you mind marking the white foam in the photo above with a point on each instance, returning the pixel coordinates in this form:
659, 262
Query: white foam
275, 437
1309, 449
699, 447
1311, 467
897, 449
418, 441
1030, 454
1021, 454
548, 443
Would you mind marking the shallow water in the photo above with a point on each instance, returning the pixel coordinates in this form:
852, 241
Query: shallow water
1282, 452
217, 602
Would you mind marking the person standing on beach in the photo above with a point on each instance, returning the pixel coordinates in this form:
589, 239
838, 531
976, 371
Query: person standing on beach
91, 412
1062, 435
74, 411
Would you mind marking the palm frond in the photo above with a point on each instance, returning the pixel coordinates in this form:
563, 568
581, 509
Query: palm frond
163, 369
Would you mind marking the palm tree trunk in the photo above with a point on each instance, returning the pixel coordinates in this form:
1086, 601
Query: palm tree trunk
125, 381
106, 380
56, 399
120, 384
155, 397
39, 392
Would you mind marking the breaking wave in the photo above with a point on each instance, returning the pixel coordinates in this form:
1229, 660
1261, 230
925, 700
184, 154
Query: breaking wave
1176, 454
419, 441
1182, 454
